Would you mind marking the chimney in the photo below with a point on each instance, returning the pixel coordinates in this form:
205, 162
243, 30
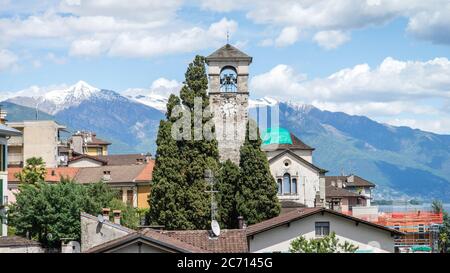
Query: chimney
105, 213
339, 183
106, 175
351, 179
241, 222
117, 216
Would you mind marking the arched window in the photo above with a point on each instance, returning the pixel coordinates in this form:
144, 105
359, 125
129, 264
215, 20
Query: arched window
279, 186
294, 186
286, 183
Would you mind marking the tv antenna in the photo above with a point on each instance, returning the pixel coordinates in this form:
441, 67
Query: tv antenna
100, 219
209, 177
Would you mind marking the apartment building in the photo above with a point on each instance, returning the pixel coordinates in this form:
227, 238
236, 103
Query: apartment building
5, 133
87, 143
39, 138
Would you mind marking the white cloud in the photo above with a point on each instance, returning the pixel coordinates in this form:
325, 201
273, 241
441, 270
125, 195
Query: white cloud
185, 40
287, 37
161, 87
144, 10
407, 90
165, 87
428, 20
87, 47
331, 39
7, 59
55, 59
139, 28
391, 80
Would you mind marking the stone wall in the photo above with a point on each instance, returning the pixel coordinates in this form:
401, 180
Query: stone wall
230, 118
94, 233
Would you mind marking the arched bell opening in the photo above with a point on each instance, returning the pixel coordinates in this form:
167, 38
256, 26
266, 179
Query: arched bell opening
228, 79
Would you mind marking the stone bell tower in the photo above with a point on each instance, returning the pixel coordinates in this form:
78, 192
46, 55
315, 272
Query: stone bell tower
228, 93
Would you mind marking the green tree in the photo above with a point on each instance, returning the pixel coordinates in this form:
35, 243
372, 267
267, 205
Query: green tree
197, 154
326, 244
178, 199
129, 215
166, 196
227, 185
437, 206
33, 172
49, 212
444, 230
257, 190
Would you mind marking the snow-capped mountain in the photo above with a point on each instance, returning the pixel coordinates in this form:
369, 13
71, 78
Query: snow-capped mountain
56, 100
148, 98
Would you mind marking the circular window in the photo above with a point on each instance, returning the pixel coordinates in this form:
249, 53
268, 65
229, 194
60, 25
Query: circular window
287, 163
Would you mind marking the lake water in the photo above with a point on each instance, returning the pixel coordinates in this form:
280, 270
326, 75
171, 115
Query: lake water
399, 208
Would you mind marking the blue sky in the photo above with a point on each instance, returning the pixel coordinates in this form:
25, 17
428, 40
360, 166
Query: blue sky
386, 59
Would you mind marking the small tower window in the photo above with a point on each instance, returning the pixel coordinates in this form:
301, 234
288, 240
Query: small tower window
228, 79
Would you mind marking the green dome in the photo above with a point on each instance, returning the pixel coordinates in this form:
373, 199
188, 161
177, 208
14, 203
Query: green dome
276, 136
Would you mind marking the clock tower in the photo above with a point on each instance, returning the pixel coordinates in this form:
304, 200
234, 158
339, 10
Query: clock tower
228, 93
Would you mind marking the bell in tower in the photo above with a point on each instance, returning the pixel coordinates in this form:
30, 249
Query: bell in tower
228, 92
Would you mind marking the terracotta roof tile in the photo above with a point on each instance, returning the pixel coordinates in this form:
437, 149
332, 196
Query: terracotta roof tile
229, 241
357, 181
82, 156
123, 159
118, 174
226, 52
332, 191
53, 174
152, 236
305, 212
146, 173
12, 241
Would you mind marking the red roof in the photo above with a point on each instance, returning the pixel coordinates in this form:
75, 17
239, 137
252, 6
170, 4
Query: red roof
53, 174
300, 213
147, 173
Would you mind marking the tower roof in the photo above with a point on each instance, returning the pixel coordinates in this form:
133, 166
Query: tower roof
228, 52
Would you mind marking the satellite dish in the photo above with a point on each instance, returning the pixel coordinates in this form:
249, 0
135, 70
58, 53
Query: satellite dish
100, 218
215, 227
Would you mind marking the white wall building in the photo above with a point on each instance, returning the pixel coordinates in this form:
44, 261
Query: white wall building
298, 179
276, 234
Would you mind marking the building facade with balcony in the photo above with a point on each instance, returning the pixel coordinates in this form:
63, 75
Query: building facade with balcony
5, 133
39, 138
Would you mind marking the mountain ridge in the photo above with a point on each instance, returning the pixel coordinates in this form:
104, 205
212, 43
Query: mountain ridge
403, 162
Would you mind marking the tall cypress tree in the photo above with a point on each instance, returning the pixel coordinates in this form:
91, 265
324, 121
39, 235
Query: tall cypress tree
257, 190
165, 196
198, 155
227, 186
178, 199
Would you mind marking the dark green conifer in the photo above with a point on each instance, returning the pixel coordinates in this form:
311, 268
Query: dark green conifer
257, 190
